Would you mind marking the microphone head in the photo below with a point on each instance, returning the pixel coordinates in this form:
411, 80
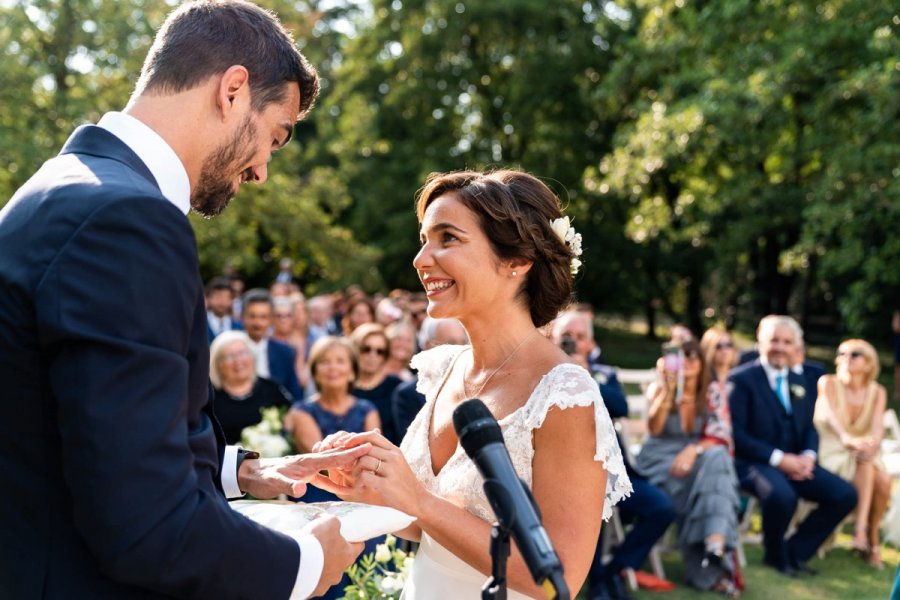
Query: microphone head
475, 426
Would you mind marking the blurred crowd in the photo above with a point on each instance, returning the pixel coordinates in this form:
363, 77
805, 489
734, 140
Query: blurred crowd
720, 426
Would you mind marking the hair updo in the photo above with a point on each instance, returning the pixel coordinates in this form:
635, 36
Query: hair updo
514, 210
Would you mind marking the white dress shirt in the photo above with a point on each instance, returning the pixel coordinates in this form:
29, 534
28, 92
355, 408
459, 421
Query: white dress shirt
772, 374
261, 357
173, 182
219, 324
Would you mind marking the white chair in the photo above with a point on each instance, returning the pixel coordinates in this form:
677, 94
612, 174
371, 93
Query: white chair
890, 448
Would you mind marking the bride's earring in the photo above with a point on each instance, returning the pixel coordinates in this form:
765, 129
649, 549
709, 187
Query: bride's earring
514, 273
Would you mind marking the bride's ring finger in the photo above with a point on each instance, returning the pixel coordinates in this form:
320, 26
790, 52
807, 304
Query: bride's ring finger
378, 466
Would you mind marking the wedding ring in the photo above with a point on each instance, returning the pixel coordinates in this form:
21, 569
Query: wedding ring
378, 466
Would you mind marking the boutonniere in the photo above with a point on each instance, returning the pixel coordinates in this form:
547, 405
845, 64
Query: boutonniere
601, 378
798, 391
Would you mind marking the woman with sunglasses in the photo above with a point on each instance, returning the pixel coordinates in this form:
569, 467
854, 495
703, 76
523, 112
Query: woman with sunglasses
688, 456
849, 418
719, 356
375, 384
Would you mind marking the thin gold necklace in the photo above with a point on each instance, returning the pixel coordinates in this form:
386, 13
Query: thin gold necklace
494, 372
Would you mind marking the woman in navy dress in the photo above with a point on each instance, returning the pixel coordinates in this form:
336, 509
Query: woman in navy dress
334, 366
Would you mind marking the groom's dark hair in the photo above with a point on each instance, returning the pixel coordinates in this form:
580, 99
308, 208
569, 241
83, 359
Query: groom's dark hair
203, 38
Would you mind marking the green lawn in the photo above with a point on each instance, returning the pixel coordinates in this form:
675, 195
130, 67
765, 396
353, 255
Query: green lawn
843, 575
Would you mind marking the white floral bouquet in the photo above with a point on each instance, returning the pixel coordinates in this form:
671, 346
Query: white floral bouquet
266, 437
373, 577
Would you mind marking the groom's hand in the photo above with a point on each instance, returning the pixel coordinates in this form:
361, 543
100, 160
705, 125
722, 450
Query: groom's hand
269, 477
339, 553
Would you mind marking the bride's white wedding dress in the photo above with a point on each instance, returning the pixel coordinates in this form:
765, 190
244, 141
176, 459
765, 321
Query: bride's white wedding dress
438, 574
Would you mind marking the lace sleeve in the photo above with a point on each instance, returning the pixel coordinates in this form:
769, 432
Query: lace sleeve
430, 366
568, 386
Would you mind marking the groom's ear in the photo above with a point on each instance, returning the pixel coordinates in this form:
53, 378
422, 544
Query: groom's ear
233, 91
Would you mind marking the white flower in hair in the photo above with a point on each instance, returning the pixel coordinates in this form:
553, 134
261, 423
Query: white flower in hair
563, 229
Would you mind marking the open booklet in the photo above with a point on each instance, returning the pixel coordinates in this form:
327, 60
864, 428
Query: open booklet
359, 522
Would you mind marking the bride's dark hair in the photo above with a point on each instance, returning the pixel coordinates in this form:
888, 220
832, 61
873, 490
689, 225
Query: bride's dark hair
514, 210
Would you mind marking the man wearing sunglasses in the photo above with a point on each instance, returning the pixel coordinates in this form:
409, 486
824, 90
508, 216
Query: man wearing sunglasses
776, 448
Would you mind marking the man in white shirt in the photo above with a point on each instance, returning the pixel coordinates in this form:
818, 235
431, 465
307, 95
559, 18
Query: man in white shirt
775, 449
219, 300
115, 467
274, 360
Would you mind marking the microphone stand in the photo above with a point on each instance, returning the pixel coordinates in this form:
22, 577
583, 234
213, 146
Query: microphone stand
495, 587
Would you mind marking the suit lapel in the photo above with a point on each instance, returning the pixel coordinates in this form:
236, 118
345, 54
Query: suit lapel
763, 380
798, 401
96, 141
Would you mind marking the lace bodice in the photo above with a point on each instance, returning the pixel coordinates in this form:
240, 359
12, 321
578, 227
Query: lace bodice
459, 481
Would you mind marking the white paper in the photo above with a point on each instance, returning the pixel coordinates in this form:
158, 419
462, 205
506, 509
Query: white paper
359, 522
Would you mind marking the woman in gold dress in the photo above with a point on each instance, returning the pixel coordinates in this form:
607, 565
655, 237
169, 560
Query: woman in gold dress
850, 420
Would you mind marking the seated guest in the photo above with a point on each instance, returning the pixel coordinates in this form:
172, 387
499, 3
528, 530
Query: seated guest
649, 509
290, 326
373, 348
849, 418
359, 311
695, 469
776, 448
402, 335
334, 366
274, 360
219, 300
417, 306
719, 356
240, 394
387, 312
321, 310
406, 400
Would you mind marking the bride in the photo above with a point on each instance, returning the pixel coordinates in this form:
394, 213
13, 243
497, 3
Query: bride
498, 255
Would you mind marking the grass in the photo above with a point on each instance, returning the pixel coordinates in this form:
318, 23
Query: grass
843, 575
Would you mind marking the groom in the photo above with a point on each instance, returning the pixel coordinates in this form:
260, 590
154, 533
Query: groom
114, 467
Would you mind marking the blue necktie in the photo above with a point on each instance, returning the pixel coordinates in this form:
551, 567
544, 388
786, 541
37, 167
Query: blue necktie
779, 391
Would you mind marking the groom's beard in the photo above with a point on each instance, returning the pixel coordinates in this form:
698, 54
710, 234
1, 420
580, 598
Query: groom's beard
218, 182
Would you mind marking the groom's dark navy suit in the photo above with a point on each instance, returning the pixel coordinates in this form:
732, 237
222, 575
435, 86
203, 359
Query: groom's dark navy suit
762, 425
110, 464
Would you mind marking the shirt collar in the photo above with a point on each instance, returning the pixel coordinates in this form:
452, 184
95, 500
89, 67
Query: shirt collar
160, 158
771, 372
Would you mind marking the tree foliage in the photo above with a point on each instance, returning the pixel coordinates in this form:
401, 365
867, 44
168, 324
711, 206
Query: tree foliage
757, 130
722, 158
66, 62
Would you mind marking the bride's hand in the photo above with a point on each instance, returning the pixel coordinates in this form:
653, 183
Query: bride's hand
334, 440
380, 477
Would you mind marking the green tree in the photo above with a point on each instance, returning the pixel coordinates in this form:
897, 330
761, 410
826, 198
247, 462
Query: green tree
440, 85
66, 62
742, 122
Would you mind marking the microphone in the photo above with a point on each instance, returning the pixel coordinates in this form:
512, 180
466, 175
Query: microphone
481, 438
